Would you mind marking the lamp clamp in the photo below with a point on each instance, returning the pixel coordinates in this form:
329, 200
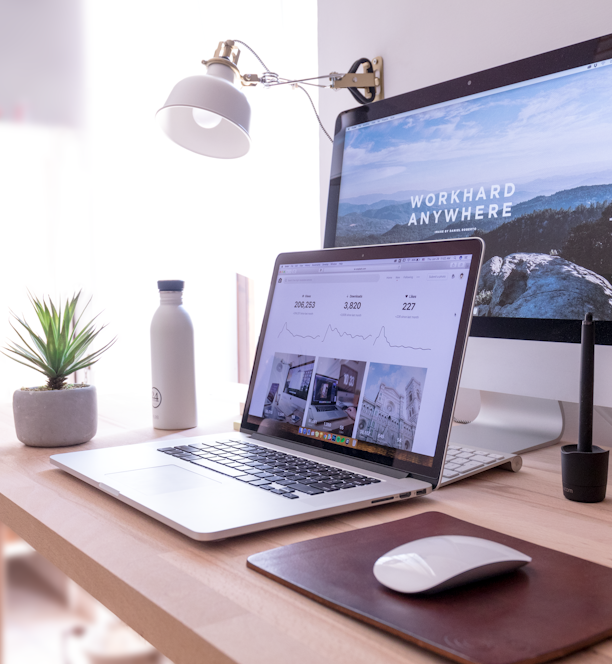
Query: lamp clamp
372, 77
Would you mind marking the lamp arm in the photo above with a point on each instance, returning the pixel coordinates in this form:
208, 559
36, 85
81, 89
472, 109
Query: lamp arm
270, 80
370, 80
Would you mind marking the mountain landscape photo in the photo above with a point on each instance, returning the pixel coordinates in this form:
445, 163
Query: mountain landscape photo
526, 168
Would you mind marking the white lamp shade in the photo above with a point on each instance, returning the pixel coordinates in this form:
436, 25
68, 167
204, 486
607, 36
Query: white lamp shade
227, 139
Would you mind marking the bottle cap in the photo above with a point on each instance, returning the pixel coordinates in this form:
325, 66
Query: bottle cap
171, 285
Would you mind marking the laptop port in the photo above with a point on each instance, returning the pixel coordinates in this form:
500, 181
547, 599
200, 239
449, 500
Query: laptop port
405, 495
382, 500
421, 492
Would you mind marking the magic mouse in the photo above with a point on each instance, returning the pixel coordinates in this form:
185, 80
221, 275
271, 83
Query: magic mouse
432, 564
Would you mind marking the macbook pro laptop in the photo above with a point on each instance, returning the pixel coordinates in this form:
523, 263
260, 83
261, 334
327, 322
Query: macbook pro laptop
378, 333
323, 406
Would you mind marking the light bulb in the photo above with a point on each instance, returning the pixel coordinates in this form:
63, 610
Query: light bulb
206, 119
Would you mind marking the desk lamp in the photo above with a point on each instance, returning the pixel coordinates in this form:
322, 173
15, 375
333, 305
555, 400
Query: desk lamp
211, 116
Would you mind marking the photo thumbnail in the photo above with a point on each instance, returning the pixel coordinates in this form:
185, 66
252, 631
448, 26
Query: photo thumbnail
288, 387
335, 395
391, 403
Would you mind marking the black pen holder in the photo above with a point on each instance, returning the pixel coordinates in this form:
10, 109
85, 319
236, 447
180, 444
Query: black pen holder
584, 474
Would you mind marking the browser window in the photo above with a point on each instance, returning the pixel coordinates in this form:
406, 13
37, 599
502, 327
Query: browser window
358, 353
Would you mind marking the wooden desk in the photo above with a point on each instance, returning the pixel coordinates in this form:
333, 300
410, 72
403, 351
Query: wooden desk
198, 603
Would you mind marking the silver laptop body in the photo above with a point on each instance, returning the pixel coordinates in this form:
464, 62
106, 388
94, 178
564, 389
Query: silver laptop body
378, 332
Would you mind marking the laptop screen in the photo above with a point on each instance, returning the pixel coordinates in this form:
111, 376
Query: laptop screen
367, 343
324, 392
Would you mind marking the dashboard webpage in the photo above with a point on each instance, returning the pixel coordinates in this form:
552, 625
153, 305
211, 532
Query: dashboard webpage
526, 167
358, 354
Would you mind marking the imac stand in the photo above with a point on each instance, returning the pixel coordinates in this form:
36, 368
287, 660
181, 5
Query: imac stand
512, 424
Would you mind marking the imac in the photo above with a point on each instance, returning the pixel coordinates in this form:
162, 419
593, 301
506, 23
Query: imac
298, 381
520, 155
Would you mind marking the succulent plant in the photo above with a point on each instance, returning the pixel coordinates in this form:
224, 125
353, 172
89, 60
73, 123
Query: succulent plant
61, 350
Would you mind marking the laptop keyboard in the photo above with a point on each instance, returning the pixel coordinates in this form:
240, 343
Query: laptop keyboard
289, 476
279, 473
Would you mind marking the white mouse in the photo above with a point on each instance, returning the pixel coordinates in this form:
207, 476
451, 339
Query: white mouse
432, 564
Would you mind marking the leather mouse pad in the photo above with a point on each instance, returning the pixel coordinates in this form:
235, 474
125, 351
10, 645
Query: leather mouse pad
553, 606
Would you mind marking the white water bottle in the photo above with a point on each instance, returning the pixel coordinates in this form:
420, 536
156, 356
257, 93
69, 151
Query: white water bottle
172, 361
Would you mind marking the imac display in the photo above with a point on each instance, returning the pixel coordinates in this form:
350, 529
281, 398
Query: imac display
298, 380
519, 155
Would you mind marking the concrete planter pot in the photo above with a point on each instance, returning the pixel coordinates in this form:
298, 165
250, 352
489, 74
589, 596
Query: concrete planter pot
56, 418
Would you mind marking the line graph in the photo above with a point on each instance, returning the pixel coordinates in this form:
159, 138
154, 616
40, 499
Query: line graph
383, 333
334, 330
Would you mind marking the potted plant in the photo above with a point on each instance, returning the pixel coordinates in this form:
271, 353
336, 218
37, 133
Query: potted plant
58, 413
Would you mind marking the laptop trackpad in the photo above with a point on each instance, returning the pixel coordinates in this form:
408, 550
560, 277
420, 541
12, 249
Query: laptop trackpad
160, 479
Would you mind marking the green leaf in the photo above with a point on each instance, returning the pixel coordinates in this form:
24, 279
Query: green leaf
40, 356
62, 348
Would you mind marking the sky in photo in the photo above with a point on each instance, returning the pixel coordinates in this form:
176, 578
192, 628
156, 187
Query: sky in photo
553, 128
392, 375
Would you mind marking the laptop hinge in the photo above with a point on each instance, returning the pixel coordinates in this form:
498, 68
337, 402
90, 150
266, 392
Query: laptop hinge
332, 456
